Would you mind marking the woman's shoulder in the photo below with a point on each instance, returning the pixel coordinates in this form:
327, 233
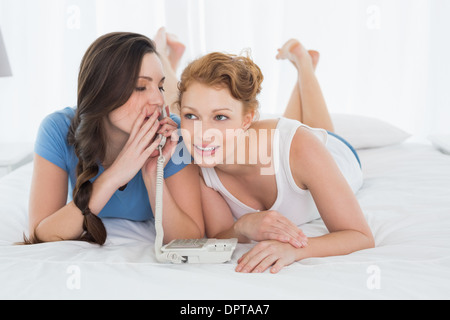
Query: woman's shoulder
267, 124
63, 115
305, 139
175, 118
308, 152
51, 141
59, 120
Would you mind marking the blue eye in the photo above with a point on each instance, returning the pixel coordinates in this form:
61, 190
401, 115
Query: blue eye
221, 118
190, 116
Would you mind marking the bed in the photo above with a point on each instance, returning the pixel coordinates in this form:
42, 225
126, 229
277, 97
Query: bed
405, 197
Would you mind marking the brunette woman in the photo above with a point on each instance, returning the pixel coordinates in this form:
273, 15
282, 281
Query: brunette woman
103, 152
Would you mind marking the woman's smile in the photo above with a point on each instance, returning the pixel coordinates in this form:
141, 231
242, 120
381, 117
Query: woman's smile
205, 150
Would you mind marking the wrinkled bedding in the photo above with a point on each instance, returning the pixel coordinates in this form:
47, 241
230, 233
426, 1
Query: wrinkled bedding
405, 197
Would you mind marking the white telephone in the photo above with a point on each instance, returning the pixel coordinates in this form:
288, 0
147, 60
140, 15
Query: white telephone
185, 251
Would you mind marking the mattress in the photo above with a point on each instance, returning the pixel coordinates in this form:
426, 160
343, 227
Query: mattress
405, 198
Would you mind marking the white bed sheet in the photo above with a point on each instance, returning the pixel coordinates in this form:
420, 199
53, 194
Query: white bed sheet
405, 197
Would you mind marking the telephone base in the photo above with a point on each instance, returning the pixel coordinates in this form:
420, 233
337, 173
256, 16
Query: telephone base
200, 250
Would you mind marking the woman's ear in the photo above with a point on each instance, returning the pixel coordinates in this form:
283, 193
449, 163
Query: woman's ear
248, 120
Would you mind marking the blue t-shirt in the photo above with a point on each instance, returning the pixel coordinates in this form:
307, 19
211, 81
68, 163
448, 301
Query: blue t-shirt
132, 203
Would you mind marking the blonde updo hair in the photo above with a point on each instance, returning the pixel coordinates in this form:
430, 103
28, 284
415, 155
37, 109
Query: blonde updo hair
239, 74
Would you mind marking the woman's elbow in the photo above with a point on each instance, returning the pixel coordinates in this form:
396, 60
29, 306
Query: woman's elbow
370, 241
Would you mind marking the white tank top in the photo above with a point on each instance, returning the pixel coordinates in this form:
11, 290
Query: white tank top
293, 202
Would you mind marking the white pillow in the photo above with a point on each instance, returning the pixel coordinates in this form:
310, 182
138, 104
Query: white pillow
367, 132
441, 142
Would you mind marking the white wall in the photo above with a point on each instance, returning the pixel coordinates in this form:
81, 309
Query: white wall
382, 58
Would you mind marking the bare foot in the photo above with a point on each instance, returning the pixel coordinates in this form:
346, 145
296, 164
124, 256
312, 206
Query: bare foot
315, 56
295, 52
160, 40
176, 50
170, 47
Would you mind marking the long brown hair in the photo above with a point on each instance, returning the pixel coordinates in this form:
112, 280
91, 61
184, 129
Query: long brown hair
108, 74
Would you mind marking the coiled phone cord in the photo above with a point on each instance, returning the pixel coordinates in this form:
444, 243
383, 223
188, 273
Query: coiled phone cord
160, 256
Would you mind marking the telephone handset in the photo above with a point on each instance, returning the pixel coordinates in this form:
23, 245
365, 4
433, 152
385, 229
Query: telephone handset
163, 138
